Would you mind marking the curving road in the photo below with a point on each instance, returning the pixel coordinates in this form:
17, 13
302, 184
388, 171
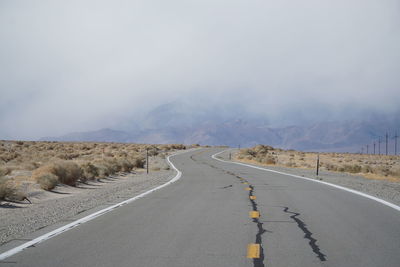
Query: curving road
223, 214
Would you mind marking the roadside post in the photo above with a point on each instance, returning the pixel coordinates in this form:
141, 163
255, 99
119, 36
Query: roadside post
318, 164
147, 160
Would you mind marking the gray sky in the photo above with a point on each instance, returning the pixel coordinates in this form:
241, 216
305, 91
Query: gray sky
82, 65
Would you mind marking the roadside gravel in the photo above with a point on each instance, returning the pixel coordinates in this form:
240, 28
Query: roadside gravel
386, 190
48, 208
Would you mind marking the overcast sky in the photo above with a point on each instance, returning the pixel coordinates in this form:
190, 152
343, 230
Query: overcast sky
83, 65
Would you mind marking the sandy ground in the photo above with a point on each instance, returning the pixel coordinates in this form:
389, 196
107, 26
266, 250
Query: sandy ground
48, 208
384, 189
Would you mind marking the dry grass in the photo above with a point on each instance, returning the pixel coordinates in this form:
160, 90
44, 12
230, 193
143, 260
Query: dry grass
51, 163
369, 166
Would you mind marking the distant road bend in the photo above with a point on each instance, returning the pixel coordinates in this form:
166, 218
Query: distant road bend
224, 214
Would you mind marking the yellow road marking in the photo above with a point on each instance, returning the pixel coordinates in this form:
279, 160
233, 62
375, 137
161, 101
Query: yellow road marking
252, 197
246, 183
254, 214
253, 251
248, 188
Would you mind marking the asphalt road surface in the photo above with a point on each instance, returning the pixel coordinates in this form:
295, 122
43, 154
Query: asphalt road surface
204, 219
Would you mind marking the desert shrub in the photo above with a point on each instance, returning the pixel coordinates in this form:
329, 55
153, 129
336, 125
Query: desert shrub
262, 149
331, 167
352, 168
8, 156
382, 170
67, 172
270, 160
89, 171
115, 165
290, 164
112, 165
126, 165
47, 181
248, 152
68, 156
166, 148
138, 162
108, 154
177, 146
367, 169
6, 189
122, 154
30, 166
395, 172
153, 152
5, 170
102, 170
106, 167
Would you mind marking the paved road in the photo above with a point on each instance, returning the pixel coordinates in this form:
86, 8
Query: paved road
203, 220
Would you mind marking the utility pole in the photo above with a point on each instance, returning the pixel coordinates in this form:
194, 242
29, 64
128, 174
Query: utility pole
318, 164
379, 145
362, 150
386, 143
374, 148
147, 160
395, 144
367, 148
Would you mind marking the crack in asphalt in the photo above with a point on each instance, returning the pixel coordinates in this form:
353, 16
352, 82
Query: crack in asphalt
307, 234
257, 262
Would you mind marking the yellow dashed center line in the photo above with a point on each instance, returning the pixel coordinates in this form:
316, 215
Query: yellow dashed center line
247, 189
254, 214
253, 251
252, 197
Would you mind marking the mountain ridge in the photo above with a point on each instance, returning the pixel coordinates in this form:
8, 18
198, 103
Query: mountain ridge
199, 123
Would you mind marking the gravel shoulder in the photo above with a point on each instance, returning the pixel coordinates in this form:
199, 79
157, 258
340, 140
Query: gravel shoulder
386, 190
48, 208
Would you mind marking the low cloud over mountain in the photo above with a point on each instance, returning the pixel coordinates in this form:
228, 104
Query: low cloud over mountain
178, 123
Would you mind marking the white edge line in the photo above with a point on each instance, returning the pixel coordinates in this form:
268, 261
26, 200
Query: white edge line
384, 202
90, 217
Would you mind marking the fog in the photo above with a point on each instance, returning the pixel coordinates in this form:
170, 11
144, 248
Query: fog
83, 65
